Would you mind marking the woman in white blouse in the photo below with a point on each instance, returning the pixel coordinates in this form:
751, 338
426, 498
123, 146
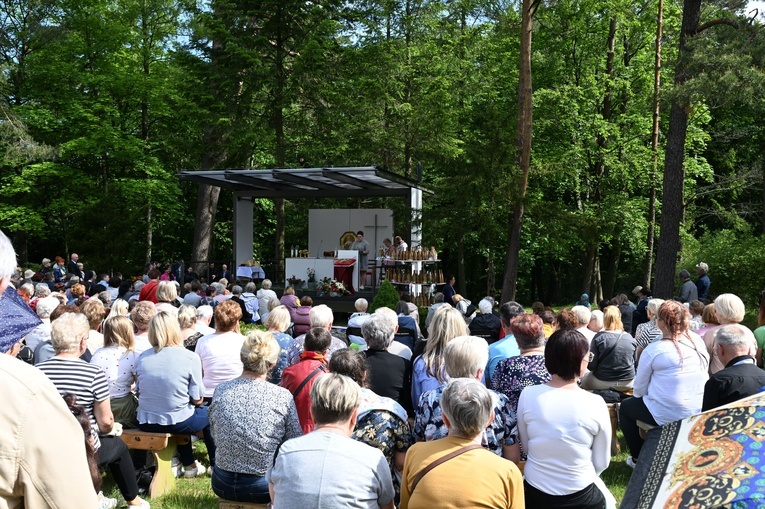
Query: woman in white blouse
565, 432
670, 379
118, 361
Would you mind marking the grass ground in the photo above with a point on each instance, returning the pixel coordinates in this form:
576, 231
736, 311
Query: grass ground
197, 493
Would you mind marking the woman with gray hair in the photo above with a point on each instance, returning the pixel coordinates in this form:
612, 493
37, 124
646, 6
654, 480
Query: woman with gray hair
249, 419
381, 423
390, 374
359, 475
69, 336
467, 474
265, 296
466, 357
729, 309
41, 333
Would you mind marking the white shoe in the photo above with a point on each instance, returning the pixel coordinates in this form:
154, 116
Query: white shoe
630, 461
106, 502
197, 470
177, 468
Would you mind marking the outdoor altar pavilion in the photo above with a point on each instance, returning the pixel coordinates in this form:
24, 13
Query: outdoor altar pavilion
314, 183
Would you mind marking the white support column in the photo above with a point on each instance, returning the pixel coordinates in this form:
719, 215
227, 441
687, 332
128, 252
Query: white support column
415, 205
242, 228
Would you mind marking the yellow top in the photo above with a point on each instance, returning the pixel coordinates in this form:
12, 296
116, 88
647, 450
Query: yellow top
475, 479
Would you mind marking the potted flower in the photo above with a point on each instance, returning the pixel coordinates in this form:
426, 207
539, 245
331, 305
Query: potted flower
333, 287
311, 278
295, 281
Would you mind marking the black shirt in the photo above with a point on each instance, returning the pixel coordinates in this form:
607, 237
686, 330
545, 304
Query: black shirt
390, 376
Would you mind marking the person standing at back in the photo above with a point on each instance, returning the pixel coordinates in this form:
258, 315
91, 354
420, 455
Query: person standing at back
702, 283
362, 246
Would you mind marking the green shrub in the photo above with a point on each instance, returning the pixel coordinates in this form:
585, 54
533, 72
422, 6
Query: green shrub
735, 259
386, 297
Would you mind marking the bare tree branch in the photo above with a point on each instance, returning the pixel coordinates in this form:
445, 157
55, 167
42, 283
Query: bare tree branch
714, 22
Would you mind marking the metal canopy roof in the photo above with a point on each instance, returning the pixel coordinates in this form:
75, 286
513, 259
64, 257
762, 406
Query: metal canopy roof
308, 182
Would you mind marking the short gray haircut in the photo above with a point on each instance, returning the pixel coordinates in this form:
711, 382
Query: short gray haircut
321, 316
378, 332
236, 290
28, 287
266, 284
729, 307
388, 314
597, 315
652, 308
250, 287
334, 397
7, 257
467, 403
205, 311
42, 290
67, 331
361, 305
138, 285
465, 355
735, 336
46, 305
582, 314
220, 289
485, 306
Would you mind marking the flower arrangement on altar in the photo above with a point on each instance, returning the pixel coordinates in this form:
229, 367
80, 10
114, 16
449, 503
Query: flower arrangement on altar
311, 275
328, 285
294, 280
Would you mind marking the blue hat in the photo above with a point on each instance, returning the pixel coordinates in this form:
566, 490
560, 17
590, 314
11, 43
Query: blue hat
585, 296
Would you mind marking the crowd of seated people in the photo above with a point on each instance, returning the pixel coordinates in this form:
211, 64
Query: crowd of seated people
481, 397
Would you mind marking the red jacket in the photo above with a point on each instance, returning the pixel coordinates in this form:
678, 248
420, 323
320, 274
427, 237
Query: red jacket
149, 292
294, 375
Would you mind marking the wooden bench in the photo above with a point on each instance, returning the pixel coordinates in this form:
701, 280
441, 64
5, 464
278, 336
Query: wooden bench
644, 428
230, 504
162, 446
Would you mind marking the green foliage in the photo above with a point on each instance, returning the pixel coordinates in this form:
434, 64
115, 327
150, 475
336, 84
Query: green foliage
735, 259
387, 297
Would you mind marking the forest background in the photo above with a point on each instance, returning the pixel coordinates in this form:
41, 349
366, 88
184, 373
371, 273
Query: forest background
104, 102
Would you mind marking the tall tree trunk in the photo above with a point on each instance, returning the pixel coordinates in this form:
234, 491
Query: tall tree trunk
609, 287
589, 269
674, 174
149, 230
597, 282
654, 147
461, 283
523, 147
280, 147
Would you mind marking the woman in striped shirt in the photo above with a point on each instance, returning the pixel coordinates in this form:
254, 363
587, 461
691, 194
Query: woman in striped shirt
69, 338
